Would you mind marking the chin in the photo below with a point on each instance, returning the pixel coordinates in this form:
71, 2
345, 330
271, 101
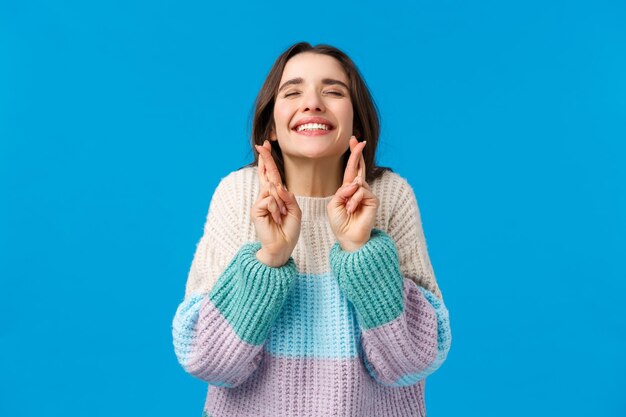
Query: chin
316, 151
313, 147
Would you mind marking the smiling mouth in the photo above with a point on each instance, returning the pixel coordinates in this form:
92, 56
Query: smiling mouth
310, 127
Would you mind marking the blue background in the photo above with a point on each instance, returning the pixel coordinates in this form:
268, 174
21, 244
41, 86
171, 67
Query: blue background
118, 118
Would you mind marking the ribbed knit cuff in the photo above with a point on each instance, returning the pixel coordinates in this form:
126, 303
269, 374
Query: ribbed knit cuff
250, 294
371, 279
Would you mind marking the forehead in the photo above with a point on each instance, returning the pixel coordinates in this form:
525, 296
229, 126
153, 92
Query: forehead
312, 66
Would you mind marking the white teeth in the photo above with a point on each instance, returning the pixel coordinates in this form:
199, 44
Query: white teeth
312, 126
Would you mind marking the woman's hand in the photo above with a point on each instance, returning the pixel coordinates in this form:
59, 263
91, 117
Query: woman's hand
352, 211
276, 215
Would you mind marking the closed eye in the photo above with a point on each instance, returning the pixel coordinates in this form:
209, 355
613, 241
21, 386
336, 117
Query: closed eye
336, 93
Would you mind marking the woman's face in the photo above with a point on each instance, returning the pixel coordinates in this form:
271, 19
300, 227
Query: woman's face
313, 112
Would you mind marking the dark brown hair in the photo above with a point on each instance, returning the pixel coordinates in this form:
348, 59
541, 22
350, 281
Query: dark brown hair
366, 121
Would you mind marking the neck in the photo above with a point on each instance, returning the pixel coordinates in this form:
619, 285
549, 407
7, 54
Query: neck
311, 177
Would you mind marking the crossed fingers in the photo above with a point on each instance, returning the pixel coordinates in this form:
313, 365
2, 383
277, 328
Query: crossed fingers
270, 181
268, 171
355, 167
356, 187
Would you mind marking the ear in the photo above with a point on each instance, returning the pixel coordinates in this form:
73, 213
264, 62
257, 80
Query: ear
273, 137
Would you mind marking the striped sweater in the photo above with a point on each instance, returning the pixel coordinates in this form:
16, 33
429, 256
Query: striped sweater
330, 333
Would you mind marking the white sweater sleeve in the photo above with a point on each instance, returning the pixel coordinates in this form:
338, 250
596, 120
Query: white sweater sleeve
221, 239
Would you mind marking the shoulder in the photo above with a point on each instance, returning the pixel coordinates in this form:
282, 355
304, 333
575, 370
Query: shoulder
234, 191
237, 186
238, 179
394, 192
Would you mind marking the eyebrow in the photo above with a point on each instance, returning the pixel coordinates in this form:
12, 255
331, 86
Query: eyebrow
325, 81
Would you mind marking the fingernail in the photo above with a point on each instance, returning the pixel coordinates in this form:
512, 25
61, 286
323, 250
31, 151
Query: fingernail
283, 210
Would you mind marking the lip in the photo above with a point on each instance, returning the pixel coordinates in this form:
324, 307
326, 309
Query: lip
316, 119
313, 132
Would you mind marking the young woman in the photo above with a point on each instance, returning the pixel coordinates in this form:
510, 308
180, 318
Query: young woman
311, 291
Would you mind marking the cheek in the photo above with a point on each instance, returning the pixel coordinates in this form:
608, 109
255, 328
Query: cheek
347, 117
282, 115
351, 118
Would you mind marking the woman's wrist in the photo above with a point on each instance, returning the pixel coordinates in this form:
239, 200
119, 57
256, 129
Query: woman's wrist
351, 246
354, 245
271, 260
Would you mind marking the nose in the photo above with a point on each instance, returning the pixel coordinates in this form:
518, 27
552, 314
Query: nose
312, 101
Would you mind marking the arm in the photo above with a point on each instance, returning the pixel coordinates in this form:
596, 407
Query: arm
231, 299
219, 336
405, 329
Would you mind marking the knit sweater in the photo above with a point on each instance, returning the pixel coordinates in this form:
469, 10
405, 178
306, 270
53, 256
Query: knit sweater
330, 333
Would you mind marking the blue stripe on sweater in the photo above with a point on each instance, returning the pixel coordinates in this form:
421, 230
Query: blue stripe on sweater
316, 321
183, 327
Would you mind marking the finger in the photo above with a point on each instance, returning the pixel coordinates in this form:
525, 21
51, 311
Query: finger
263, 193
261, 167
343, 194
346, 191
362, 169
263, 183
272, 207
355, 200
259, 209
362, 198
361, 165
351, 171
271, 168
364, 173
272, 172
279, 201
288, 198
353, 142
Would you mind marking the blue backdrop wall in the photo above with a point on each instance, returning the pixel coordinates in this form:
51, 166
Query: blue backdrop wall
118, 119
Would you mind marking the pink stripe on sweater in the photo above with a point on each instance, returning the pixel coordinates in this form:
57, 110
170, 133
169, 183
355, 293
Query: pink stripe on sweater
306, 387
408, 344
219, 354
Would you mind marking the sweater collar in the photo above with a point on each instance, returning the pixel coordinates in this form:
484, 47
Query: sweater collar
313, 208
